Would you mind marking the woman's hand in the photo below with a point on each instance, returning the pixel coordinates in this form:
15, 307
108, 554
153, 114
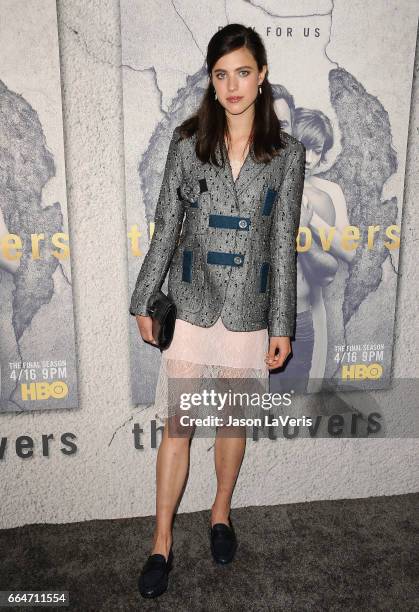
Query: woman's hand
145, 325
283, 344
306, 211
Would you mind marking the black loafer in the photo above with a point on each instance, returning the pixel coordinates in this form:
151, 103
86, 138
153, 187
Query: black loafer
154, 576
223, 543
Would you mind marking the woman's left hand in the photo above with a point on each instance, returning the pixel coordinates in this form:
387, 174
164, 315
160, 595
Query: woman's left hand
306, 212
283, 344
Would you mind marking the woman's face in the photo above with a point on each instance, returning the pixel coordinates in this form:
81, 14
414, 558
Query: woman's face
313, 155
236, 78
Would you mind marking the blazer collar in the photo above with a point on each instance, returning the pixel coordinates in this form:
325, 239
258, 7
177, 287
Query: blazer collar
249, 170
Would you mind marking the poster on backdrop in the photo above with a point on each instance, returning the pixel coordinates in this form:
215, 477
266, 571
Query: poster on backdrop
350, 110
37, 341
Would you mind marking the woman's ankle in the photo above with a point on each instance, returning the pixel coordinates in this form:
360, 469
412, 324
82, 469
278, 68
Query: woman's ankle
162, 544
220, 514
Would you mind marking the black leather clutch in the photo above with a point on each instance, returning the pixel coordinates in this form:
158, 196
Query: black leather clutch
162, 310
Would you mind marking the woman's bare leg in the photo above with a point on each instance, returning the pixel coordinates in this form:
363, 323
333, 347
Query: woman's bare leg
230, 446
171, 471
173, 458
228, 455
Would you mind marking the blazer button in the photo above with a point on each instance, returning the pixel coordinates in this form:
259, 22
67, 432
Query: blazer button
237, 260
242, 223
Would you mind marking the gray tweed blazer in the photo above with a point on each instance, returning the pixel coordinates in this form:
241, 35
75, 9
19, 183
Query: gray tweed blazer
229, 246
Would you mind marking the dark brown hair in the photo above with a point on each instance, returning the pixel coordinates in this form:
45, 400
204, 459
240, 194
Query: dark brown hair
210, 123
280, 92
313, 128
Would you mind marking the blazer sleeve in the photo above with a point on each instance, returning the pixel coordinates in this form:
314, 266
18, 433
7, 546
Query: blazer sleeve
168, 221
284, 230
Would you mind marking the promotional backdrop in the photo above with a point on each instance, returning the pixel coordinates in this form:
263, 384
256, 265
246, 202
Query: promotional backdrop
354, 125
37, 344
63, 466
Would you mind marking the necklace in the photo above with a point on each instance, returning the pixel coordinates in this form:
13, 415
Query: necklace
236, 163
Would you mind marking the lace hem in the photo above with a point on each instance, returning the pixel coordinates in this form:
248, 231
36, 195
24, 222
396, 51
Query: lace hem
178, 376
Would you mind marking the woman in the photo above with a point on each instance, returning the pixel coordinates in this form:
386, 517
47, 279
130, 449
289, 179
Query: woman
226, 224
315, 267
314, 129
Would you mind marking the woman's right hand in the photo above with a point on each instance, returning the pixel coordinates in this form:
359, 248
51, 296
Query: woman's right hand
145, 325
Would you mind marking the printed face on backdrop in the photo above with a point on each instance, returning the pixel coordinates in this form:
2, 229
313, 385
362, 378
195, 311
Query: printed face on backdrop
283, 112
314, 129
236, 78
313, 156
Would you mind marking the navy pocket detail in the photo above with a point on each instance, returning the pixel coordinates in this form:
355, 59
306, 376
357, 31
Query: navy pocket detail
194, 204
269, 200
264, 276
187, 266
203, 185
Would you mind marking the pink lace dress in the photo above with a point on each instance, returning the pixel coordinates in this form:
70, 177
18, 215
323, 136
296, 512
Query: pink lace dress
197, 354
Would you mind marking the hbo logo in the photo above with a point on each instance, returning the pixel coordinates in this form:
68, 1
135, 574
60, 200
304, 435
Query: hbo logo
359, 370
44, 390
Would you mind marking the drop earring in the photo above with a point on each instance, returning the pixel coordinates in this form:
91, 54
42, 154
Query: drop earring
215, 96
260, 89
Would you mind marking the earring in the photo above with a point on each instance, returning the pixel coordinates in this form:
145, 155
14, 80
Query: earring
260, 89
215, 97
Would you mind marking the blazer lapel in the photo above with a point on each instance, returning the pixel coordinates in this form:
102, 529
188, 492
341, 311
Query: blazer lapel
248, 172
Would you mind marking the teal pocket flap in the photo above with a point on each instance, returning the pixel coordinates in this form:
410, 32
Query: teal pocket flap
187, 266
264, 269
269, 201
